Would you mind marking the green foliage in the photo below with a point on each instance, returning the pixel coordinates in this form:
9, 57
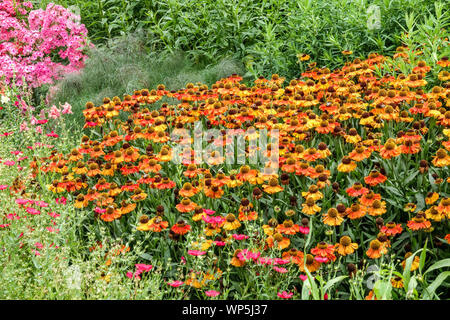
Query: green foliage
267, 35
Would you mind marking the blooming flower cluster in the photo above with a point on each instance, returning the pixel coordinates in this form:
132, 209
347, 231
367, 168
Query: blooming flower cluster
39, 45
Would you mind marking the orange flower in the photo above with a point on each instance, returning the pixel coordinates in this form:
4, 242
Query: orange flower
357, 190
324, 250
278, 240
245, 173
360, 153
310, 207
356, 211
376, 249
418, 223
288, 227
213, 192
391, 229
375, 178
345, 246
311, 264
231, 223
369, 198
273, 186
186, 205
390, 150
332, 218
188, 190
347, 165
181, 227
377, 208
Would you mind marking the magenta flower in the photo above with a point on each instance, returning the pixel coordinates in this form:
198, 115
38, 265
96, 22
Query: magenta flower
143, 267
33, 211
240, 236
212, 293
303, 277
208, 211
176, 283
280, 269
4, 186
196, 252
285, 295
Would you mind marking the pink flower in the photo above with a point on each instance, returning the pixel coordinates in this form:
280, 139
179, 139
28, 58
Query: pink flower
176, 283
183, 260
143, 267
212, 293
99, 210
285, 295
39, 129
9, 163
240, 236
33, 211
196, 252
4, 186
321, 259
52, 134
304, 230
23, 201
208, 211
303, 277
39, 245
67, 108
219, 243
24, 126
54, 214
41, 204
61, 200
280, 269
55, 113
132, 275
281, 261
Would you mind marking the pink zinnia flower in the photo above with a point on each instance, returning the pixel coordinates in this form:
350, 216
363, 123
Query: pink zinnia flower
219, 243
240, 236
176, 283
143, 267
132, 275
285, 295
196, 252
321, 259
61, 200
304, 230
52, 134
33, 211
54, 214
3, 186
9, 163
303, 277
208, 211
280, 269
212, 293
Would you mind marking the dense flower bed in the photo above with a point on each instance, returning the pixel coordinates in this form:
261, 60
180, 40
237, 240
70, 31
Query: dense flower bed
363, 177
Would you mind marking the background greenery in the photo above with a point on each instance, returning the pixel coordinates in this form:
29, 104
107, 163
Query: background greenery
266, 35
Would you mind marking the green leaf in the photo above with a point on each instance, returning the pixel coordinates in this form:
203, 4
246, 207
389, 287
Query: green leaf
438, 265
430, 291
332, 282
